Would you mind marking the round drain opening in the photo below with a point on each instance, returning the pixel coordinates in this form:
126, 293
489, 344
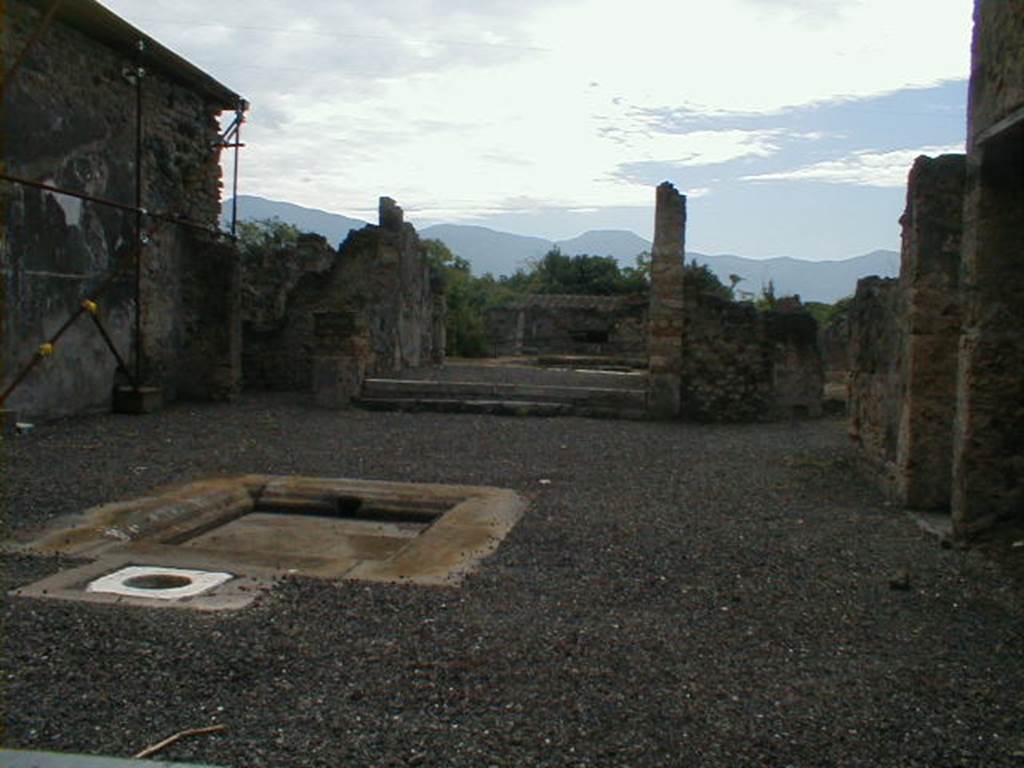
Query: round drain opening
160, 583
157, 581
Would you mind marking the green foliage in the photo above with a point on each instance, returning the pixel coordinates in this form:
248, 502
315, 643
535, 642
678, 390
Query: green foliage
825, 313
581, 275
258, 237
706, 280
768, 299
468, 299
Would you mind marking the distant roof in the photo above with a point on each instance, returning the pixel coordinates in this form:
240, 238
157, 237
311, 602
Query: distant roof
103, 25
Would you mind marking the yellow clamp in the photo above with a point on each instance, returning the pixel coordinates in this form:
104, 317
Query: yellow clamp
90, 306
45, 350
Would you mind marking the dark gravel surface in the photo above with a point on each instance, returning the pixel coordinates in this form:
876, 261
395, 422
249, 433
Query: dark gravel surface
676, 595
504, 371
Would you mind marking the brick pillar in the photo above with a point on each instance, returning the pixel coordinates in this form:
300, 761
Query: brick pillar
665, 334
929, 281
340, 360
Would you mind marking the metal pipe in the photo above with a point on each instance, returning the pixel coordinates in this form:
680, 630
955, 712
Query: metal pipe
39, 30
230, 130
103, 288
110, 345
240, 118
139, 73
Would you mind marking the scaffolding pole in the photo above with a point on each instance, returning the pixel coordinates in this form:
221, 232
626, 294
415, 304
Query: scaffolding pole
139, 73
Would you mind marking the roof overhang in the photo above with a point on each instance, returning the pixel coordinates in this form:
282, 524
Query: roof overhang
104, 26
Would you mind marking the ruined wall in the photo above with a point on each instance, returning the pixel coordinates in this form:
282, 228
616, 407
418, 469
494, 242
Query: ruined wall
379, 277
929, 283
712, 359
834, 342
988, 463
740, 364
875, 398
570, 325
209, 365
68, 120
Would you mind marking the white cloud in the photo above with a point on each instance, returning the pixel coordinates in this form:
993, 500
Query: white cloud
866, 168
463, 106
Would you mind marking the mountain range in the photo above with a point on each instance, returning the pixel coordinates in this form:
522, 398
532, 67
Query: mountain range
501, 253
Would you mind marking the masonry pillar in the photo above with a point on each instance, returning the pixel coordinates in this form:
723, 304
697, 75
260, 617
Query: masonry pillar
665, 334
988, 461
340, 360
929, 281
988, 454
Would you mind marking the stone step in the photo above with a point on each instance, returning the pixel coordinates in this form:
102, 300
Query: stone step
599, 398
493, 407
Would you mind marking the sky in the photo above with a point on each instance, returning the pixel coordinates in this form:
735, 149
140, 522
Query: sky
790, 124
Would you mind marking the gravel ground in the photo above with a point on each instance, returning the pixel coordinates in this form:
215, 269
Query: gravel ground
676, 595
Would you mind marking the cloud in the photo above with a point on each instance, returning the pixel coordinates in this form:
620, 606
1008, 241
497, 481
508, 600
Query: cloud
461, 105
865, 168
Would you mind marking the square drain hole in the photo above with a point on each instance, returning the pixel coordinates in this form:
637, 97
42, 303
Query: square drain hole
158, 582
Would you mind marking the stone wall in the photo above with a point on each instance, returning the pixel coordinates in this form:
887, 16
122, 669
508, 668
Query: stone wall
834, 342
903, 344
875, 399
613, 326
739, 364
68, 120
929, 282
712, 359
988, 461
379, 278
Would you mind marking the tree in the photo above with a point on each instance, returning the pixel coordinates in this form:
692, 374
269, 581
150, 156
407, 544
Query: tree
583, 275
259, 237
705, 280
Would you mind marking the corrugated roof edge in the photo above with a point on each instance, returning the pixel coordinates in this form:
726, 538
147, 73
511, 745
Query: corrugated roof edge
103, 25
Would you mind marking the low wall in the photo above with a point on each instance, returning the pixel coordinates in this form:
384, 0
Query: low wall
740, 364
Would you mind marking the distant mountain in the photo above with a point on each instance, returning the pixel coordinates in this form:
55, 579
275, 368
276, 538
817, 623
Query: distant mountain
501, 253
488, 250
825, 281
622, 244
333, 226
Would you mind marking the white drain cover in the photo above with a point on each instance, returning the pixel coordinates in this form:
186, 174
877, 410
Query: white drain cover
158, 582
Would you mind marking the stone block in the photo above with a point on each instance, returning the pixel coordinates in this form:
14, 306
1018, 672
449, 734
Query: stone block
337, 379
137, 400
665, 396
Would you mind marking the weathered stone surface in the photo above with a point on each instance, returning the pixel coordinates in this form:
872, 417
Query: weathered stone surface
988, 460
875, 400
904, 338
929, 282
712, 359
337, 379
743, 365
68, 120
664, 342
997, 66
379, 279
